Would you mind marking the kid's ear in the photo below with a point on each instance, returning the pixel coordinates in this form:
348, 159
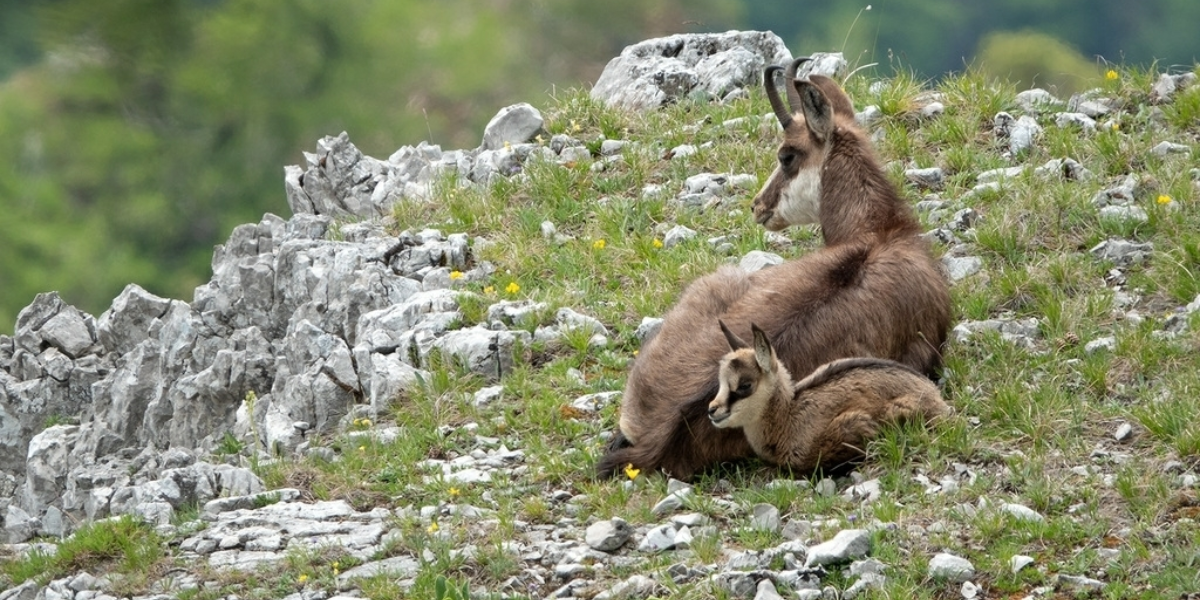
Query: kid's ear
735, 342
763, 353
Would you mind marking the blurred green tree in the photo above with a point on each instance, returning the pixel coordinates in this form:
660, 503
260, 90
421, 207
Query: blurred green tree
150, 128
1031, 59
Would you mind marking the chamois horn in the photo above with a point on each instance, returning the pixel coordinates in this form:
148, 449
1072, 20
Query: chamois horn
782, 112
789, 76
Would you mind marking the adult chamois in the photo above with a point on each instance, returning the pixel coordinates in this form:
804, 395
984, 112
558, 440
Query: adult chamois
826, 419
874, 289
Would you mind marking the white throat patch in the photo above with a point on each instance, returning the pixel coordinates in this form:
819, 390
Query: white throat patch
800, 203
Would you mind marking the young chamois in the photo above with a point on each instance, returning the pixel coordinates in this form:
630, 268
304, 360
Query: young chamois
874, 290
826, 419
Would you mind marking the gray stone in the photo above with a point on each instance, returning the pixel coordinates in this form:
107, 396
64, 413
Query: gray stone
1037, 100
1120, 195
739, 584
1091, 105
608, 536
571, 321
26, 591
869, 581
487, 395
1001, 174
213, 508
1124, 432
594, 403
658, 539
1022, 513
512, 125
961, 267
868, 491
846, 546
127, 322
650, 326
1065, 168
1167, 85
1018, 562
677, 235
397, 567
1080, 582
611, 147
766, 591
757, 260
636, 587
486, 352
1163, 149
1021, 132
671, 503
1068, 119
931, 178
1124, 213
1122, 252
1019, 331
765, 517
46, 467
1103, 344
661, 71
949, 567
19, 525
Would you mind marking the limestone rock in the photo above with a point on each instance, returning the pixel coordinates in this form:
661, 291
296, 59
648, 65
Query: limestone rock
608, 536
950, 567
846, 546
512, 125
661, 71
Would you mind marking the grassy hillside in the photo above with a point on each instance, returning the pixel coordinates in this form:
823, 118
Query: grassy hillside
1036, 424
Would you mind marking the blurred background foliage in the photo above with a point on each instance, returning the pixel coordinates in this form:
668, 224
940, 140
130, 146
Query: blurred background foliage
138, 133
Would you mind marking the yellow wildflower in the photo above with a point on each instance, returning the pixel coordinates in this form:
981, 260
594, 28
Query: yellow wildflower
453, 491
366, 422
1163, 199
433, 527
513, 288
362, 448
575, 125
631, 472
491, 289
455, 275
599, 244
657, 243
1111, 75
302, 578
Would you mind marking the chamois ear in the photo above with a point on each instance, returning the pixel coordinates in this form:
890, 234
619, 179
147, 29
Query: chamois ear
735, 342
763, 353
833, 92
818, 112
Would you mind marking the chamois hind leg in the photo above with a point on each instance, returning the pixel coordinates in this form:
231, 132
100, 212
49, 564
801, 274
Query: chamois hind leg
916, 406
844, 440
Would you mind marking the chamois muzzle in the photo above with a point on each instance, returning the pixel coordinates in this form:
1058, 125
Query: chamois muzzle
715, 415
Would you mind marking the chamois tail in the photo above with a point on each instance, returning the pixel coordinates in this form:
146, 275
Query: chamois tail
675, 453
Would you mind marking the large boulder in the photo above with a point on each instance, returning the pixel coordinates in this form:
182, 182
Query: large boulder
664, 70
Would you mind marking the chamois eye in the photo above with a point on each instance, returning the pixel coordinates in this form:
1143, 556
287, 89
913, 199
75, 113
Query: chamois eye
743, 388
786, 159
